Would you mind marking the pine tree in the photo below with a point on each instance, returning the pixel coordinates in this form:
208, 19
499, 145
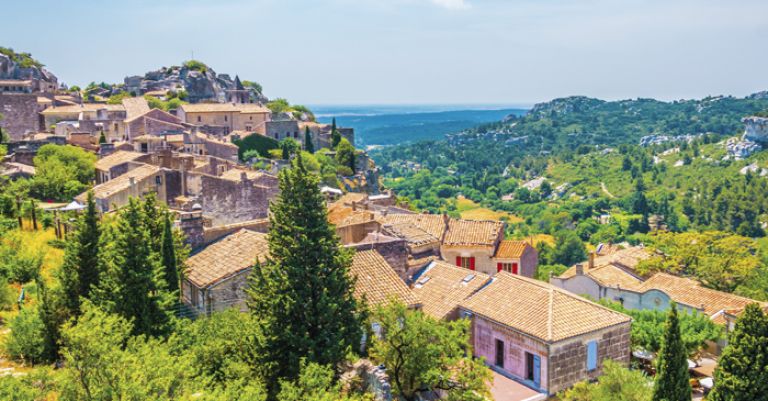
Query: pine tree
169, 260
308, 145
672, 378
102, 138
80, 271
335, 136
742, 372
302, 295
153, 220
133, 285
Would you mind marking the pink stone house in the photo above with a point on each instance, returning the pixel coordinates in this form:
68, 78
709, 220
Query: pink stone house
541, 335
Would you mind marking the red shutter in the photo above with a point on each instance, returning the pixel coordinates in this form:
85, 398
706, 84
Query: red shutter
514, 268
472, 263
458, 261
498, 267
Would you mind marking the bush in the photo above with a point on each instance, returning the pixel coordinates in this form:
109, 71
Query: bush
259, 143
196, 65
26, 340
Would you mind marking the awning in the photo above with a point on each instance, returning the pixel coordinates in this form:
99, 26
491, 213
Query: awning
72, 206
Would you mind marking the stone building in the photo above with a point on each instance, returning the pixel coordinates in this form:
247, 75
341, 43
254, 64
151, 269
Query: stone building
516, 257
377, 282
116, 164
135, 183
282, 129
441, 287
20, 114
216, 276
472, 244
226, 117
392, 249
541, 335
153, 122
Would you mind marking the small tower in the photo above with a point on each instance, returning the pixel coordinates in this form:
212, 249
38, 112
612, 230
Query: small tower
240, 94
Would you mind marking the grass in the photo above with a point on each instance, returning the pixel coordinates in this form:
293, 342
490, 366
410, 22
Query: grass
470, 210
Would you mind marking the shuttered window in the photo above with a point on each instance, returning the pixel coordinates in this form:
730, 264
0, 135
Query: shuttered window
591, 356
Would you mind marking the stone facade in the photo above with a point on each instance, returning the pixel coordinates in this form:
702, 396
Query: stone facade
562, 364
484, 260
282, 129
394, 251
222, 295
567, 359
19, 114
226, 201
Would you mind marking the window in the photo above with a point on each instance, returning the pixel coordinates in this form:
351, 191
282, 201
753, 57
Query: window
467, 262
194, 296
158, 180
500, 353
199, 118
225, 118
591, 356
248, 128
510, 267
533, 368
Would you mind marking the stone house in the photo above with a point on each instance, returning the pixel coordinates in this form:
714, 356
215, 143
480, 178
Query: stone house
153, 122
472, 244
115, 164
321, 133
227, 116
282, 129
216, 276
541, 335
516, 257
392, 249
135, 183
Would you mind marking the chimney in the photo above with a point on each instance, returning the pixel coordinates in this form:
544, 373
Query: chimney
354, 206
131, 181
591, 260
579, 269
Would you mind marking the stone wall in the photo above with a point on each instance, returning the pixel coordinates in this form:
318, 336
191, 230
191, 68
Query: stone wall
568, 359
226, 201
20, 114
394, 252
279, 130
229, 293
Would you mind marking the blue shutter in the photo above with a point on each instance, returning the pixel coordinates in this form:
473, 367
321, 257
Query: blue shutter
537, 371
591, 355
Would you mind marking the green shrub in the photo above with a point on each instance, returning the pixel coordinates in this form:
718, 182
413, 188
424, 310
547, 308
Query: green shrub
260, 143
26, 340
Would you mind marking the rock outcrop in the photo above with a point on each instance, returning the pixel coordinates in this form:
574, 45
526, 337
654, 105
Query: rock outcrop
756, 129
202, 84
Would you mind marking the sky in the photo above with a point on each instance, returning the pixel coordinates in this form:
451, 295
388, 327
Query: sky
411, 51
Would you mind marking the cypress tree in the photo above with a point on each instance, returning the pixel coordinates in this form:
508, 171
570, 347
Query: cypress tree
102, 138
168, 254
133, 284
302, 295
672, 378
335, 136
742, 372
80, 271
153, 220
308, 145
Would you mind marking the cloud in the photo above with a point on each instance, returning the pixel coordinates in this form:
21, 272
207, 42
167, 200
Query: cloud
452, 4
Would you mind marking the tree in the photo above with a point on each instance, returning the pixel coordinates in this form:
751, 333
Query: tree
62, 172
345, 154
423, 354
335, 135
132, 283
742, 371
169, 260
308, 145
80, 270
617, 383
315, 383
672, 378
302, 295
102, 138
569, 248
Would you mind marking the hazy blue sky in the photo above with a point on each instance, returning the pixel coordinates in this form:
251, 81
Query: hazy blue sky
411, 51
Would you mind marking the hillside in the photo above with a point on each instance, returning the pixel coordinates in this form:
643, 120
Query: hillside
576, 158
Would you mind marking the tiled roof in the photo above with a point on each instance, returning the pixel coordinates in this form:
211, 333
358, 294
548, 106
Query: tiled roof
627, 258
443, 286
343, 215
539, 309
511, 249
224, 108
473, 232
433, 224
83, 107
411, 233
226, 257
15, 82
614, 276
135, 106
117, 158
122, 182
378, 281
691, 292
235, 174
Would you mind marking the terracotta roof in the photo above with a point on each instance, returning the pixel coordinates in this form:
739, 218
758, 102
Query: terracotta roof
224, 108
122, 182
377, 281
83, 107
342, 215
691, 292
442, 287
473, 232
411, 233
539, 309
226, 257
135, 106
433, 224
154, 112
511, 249
235, 174
116, 158
614, 276
627, 258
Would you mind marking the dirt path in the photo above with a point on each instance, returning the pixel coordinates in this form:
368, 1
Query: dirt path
602, 186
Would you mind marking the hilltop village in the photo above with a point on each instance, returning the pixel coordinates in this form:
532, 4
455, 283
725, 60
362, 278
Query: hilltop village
215, 155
